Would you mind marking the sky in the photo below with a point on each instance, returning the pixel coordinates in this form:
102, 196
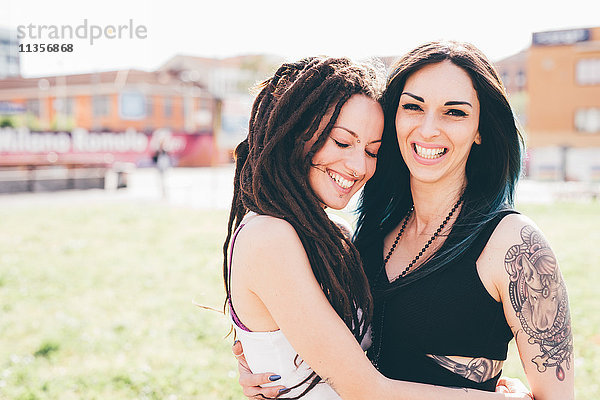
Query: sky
292, 29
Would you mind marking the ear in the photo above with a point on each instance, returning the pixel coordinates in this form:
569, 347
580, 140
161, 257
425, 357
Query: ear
530, 273
478, 138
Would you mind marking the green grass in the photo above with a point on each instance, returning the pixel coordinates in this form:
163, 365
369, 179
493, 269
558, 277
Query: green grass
96, 300
572, 230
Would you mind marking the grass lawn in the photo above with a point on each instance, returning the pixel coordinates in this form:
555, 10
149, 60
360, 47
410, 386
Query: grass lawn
96, 301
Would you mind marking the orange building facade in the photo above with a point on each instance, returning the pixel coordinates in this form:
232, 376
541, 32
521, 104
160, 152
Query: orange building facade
114, 100
563, 84
554, 89
109, 108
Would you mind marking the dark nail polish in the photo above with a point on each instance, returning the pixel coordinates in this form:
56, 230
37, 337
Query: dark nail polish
236, 342
273, 378
284, 391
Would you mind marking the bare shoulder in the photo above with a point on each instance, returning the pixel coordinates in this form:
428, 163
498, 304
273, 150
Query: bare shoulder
515, 235
264, 230
264, 239
518, 249
510, 227
513, 230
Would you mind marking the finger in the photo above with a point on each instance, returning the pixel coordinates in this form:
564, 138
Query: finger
263, 393
237, 349
502, 389
243, 367
257, 379
243, 364
513, 385
501, 381
238, 352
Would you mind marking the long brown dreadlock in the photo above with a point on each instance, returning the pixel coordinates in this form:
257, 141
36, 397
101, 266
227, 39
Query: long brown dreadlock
272, 166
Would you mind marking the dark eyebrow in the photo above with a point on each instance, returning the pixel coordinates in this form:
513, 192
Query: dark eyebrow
458, 103
448, 103
414, 96
354, 134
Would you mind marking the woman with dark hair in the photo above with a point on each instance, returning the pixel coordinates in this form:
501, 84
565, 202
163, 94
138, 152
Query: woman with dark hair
314, 134
454, 271
291, 274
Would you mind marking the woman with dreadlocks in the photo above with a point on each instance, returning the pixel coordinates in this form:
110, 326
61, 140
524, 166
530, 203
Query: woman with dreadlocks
296, 290
313, 138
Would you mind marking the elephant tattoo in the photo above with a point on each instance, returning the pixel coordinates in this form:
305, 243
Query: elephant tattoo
539, 298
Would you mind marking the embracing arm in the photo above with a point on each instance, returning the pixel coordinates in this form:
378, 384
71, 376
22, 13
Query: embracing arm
536, 306
282, 278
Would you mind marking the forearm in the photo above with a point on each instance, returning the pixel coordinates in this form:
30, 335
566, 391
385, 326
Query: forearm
389, 389
363, 382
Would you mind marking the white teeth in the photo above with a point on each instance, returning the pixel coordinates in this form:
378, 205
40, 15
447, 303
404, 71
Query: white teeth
344, 183
430, 153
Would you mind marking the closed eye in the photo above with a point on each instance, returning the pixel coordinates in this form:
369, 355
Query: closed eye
340, 144
372, 155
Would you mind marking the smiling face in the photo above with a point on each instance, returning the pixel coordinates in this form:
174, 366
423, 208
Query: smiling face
437, 123
348, 157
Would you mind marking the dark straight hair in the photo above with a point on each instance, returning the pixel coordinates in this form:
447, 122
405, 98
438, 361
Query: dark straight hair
492, 170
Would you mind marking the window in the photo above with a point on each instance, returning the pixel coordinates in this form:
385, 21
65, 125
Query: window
69, 106
149, 106
168, 104
100, 106
587, 120
64, 106
520, 79
33, 107
587, 71
133, 105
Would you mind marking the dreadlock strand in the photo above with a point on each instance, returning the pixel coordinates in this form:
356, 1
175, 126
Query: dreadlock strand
300, 102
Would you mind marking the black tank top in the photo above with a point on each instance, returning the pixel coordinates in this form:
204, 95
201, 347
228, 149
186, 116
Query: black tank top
446, 313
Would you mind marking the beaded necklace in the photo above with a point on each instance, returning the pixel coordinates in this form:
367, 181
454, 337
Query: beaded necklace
408, 267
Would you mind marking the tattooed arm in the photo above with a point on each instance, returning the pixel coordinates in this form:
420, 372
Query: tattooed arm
527, 280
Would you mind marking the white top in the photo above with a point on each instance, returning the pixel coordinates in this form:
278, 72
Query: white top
272, 352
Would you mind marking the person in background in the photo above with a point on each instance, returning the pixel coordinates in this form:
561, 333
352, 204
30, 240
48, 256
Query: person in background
162, 160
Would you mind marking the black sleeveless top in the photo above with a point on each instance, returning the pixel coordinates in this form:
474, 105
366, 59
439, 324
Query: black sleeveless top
446, 313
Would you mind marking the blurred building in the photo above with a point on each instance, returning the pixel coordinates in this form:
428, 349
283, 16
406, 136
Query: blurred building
72, 131
9, 54
232, 79
56, 129
513, 72
554, 87
564, 88
114, 100
225, 76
